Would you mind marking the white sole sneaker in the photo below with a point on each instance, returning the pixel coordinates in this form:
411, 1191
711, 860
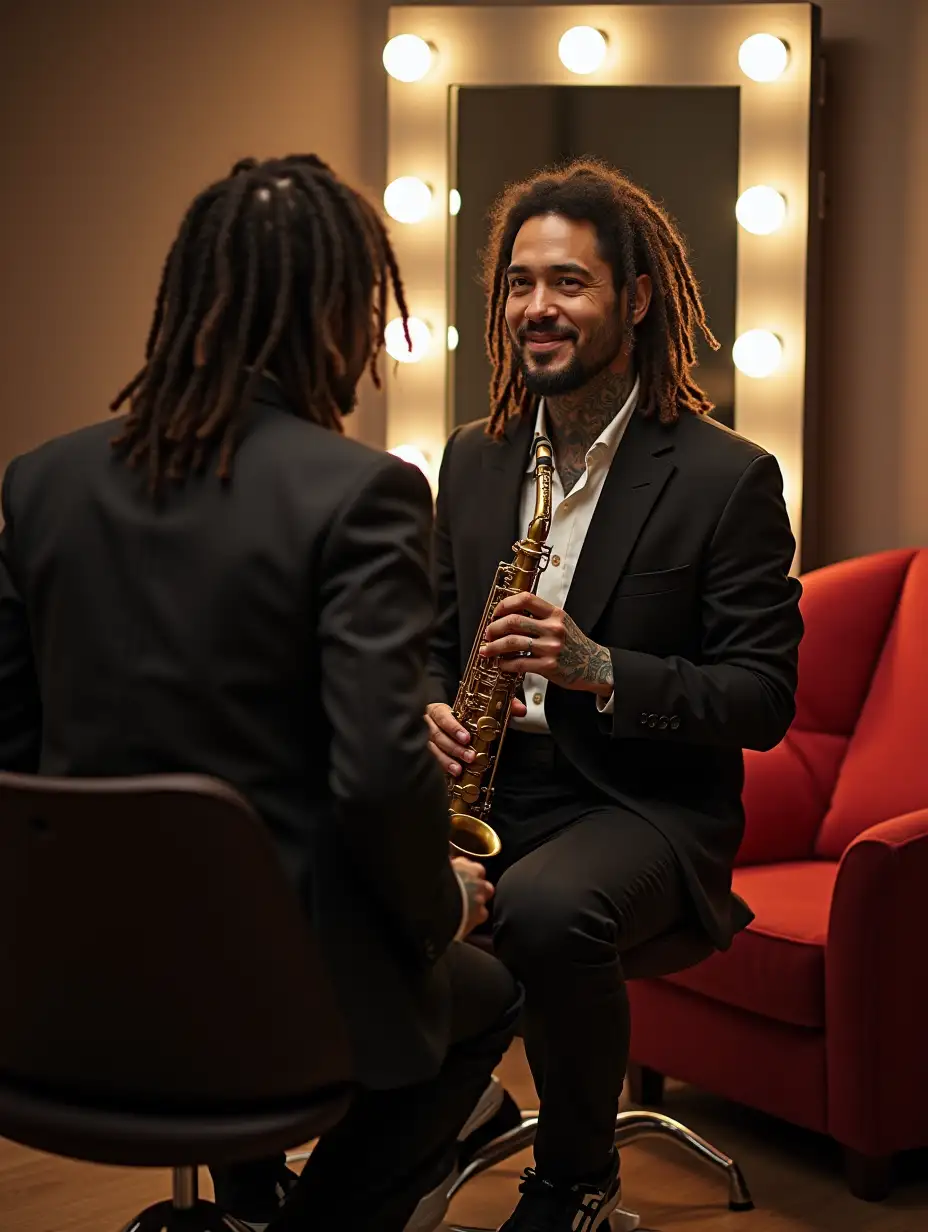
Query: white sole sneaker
623, 1221
430, 1212
616, 1218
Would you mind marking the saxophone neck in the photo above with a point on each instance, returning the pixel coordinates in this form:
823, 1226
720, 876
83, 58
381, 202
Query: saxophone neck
543, 455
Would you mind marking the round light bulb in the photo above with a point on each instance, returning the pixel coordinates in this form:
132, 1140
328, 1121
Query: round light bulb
763, 57
407, 57
582, 49
414, 456
407, 199
454, 202
395, 340
453, 338
761, 209
757, 353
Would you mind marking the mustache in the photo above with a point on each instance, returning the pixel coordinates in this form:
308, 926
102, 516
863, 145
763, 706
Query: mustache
526, 332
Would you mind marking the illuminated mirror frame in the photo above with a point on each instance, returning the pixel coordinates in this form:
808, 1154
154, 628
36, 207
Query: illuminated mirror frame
648, 45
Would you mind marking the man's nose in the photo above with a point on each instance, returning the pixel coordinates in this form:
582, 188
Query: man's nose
539, 307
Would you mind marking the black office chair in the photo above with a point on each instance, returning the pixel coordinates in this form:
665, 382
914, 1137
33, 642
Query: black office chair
672, 952
162, 1001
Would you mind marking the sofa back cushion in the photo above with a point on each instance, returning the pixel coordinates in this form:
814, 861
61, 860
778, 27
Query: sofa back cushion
885, 769
847, 609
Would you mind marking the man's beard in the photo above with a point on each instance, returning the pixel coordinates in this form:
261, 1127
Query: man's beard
549, 382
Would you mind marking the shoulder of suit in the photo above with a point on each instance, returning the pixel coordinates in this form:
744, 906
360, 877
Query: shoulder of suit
297, 440
470, 440
713, 439
297, 432
471, 435
330, 462
701, 430
69, 445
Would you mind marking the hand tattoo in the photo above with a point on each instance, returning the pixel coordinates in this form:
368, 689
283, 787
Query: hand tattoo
582, 659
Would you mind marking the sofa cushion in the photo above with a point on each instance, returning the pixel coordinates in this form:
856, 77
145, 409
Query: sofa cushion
786, 794
847, 609
776, 967
885, 768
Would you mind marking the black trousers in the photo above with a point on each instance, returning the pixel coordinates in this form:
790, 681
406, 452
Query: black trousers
393, 1147
579, 881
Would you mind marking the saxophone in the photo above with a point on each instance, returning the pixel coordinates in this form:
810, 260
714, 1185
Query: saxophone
485, 694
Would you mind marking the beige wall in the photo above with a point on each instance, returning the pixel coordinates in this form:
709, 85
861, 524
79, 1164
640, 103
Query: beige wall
115, 111
876, 265
114, 114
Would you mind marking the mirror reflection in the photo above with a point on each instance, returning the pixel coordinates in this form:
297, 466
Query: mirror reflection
678, 143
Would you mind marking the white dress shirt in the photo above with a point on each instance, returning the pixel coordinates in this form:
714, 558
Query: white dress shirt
570, 520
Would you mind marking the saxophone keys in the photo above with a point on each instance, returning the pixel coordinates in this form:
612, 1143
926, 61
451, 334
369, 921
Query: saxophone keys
488, 728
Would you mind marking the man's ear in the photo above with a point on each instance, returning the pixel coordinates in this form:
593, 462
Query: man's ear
642, 297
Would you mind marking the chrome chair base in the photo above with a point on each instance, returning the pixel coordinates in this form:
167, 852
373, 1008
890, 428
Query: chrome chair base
185, 1212
630, 1127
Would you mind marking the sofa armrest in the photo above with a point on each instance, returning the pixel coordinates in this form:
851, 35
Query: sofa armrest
876, 989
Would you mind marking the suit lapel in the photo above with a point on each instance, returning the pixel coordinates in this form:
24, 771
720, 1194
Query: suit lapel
642, 465
502, 480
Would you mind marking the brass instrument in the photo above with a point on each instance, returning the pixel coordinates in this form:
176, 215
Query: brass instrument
485, 694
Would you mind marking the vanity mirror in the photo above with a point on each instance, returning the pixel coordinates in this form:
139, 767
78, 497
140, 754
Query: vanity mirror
711, 108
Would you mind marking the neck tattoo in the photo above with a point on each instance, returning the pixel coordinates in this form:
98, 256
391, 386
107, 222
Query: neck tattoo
576, 420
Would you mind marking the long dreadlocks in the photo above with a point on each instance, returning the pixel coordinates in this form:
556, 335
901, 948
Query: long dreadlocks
279, 268
636, 236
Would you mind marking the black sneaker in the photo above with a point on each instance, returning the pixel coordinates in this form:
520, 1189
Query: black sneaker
285, 1181
547, 1206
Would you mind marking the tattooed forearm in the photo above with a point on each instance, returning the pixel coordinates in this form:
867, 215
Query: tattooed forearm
583, 660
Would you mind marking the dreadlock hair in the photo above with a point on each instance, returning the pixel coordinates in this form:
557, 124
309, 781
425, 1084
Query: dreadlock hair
636, 236
279, 268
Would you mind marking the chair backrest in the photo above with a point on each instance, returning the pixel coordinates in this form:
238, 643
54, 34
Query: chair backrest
152, 952
885, 769
848, 610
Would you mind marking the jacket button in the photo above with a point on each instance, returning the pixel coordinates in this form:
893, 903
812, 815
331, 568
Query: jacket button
662, 722
652, 720
674, 723
430, 951
643, 720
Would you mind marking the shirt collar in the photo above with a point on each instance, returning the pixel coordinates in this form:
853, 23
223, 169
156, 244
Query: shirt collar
608, 440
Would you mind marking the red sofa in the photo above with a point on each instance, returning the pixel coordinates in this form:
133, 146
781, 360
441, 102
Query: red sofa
818, 1014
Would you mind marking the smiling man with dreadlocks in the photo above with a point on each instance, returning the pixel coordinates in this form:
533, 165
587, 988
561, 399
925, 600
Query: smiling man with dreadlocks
224, 583
662, 641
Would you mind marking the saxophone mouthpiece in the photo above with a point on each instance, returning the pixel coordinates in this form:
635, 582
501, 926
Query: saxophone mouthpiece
543, 452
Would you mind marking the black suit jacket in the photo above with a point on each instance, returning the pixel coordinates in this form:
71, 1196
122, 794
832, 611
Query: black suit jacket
684, 575
272, 634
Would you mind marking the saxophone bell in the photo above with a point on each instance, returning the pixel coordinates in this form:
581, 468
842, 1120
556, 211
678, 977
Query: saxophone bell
473, 838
